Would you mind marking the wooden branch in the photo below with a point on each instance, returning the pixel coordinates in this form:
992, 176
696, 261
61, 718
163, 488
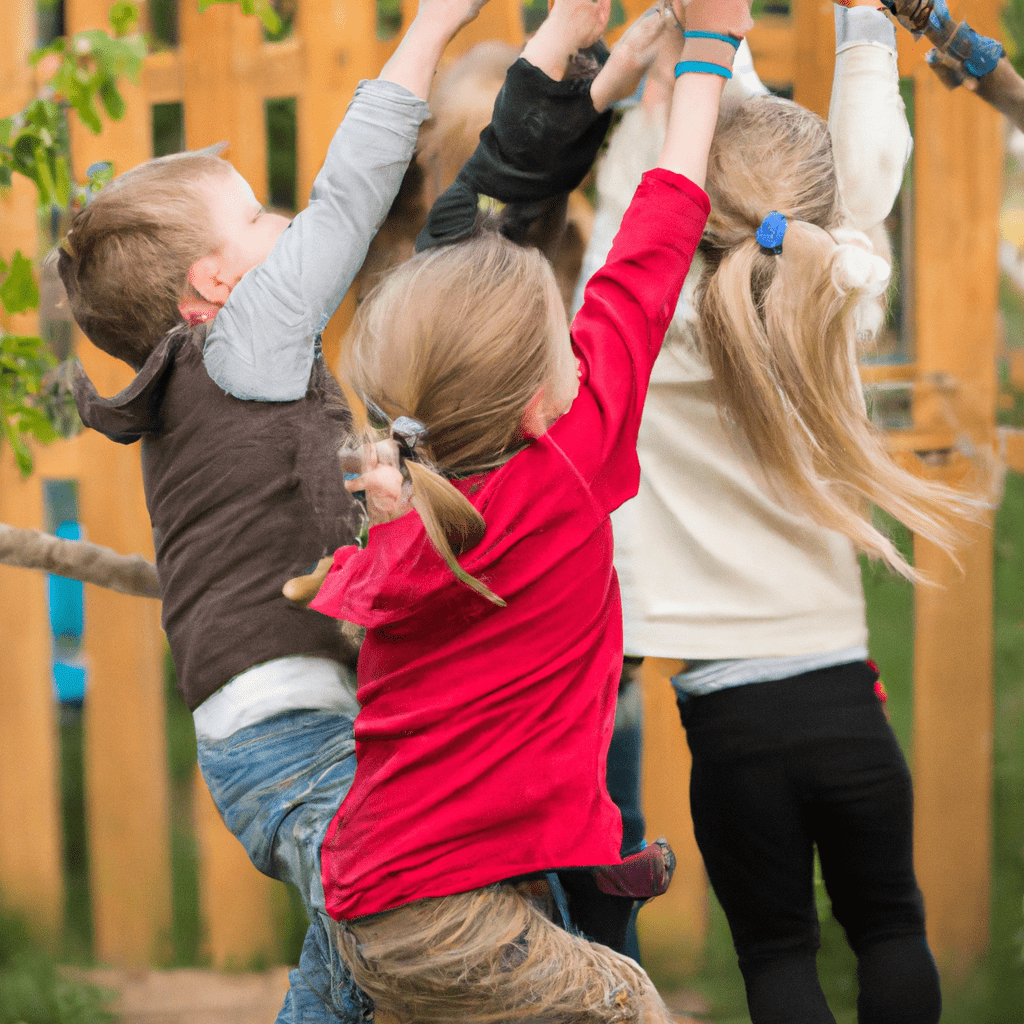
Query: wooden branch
1003, 88
79, 560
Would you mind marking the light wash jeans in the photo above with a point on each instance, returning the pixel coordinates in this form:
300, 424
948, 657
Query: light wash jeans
277, 784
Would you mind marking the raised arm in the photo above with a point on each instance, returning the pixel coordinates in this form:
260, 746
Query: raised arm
870, 136
714, 29
261, 345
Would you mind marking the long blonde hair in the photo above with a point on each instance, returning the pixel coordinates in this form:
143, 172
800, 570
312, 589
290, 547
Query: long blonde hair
460, 338
781, 331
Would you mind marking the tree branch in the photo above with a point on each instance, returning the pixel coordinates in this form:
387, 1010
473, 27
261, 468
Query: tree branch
79, 560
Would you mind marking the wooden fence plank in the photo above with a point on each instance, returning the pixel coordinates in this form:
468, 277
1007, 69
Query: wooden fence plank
957, 192
241, 908
31, 869
31, 872
814, 54
220, 62
125, 745
672, 927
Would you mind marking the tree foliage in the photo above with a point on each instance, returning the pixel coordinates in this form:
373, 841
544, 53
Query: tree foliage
81, 73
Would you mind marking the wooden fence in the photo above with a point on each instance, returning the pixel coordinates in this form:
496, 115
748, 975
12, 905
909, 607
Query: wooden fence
221, 72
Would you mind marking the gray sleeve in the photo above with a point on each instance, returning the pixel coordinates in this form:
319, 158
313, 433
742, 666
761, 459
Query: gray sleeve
261, 343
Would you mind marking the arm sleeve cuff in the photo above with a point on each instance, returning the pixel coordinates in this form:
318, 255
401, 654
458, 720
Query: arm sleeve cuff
856, 25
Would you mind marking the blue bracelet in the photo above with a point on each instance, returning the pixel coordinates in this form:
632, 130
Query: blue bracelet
731, 40
703, 67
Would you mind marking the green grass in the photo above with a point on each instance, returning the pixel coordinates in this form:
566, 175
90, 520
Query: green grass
34, 991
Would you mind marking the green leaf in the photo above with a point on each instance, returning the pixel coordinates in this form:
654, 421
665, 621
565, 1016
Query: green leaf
82, 104
44, 179
124, 16
261, 8
62, 180
33, 421
19, 292
113, 101
266, 13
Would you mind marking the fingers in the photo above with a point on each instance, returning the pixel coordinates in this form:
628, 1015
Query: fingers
302, 589
571, 25
639, 47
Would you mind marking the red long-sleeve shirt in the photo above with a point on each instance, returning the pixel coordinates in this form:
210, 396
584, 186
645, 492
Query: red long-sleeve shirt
483, 734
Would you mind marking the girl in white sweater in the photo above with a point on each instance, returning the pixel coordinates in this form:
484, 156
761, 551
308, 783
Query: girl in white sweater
738, 557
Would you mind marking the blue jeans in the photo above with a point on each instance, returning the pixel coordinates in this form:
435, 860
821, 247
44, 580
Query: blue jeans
277, 785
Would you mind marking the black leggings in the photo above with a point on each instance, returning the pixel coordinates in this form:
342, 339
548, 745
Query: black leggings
782, 767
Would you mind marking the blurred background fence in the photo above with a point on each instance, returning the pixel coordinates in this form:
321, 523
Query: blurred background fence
216, 76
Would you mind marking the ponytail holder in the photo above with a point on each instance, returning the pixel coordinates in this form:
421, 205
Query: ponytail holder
771, 233
407, 433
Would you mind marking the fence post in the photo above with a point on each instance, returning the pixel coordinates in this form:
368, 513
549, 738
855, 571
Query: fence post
958, 184
241, 908
673, 927
31, 873
127, 786
221, 96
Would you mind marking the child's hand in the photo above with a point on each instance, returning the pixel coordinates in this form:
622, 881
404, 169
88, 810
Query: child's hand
386, 496
452, 14
729, 17
654, 33
571, 25
302, 589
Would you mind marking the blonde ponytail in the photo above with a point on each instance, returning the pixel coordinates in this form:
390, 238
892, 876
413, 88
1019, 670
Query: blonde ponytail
781, 333
459, 338
452, 523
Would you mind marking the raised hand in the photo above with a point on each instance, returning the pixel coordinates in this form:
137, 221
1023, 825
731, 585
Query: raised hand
728, 17
414, 62
654, 33
453, 14
571, 25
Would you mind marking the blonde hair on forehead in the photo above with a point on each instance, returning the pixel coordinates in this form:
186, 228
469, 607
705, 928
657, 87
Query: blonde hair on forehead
461, 338
781, 332
125, 260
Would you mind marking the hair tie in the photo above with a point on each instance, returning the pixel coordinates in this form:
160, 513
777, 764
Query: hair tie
771, 233
703, 67
407, 433
731, 40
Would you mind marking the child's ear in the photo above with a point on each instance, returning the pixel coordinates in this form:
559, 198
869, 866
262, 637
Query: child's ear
535, 420
204, 276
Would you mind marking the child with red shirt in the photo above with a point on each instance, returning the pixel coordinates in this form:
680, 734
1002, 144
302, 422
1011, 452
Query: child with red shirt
488, 676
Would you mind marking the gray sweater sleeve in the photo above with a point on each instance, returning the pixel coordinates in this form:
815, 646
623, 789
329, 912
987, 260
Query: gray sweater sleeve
261, 344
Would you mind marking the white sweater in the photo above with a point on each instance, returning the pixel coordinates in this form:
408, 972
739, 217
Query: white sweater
710, 564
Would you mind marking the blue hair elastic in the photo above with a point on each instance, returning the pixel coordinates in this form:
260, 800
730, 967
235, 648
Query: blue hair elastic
703, 67
731, 40
771, 233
